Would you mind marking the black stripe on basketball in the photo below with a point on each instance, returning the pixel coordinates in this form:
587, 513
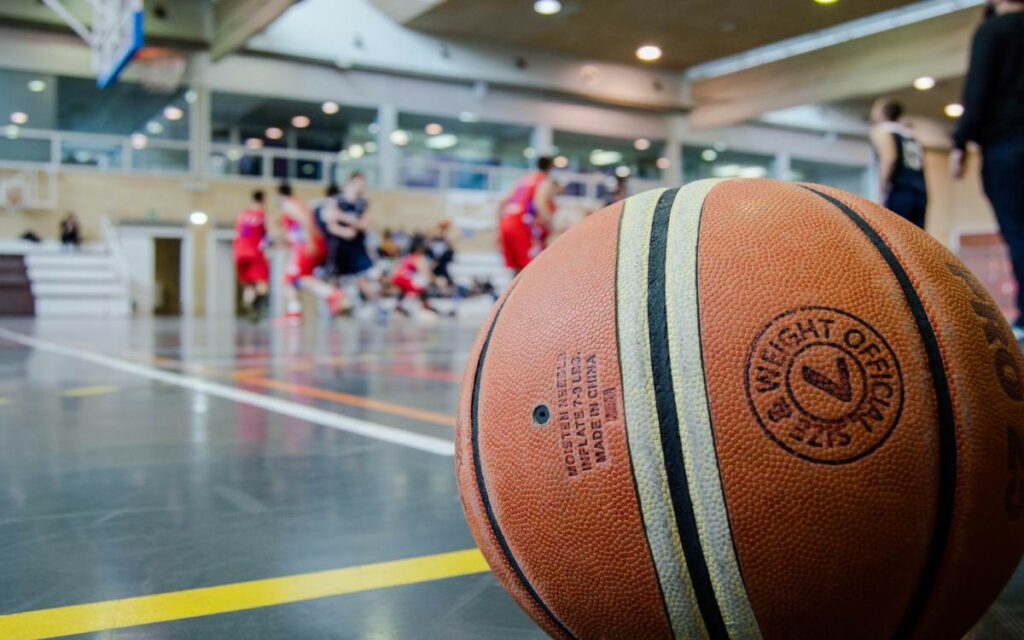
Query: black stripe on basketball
629, 450
947, 424
668, 422
481, 486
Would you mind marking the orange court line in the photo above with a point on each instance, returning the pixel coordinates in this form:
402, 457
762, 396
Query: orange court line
353, 400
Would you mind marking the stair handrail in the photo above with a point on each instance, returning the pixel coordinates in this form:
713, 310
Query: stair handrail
112, 240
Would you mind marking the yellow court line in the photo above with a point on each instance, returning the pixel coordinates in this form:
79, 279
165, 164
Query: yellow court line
206, 601
81, 392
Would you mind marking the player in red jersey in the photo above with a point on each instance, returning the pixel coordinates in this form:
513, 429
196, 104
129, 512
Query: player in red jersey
308, 251
250, 262
413, 274
526, 216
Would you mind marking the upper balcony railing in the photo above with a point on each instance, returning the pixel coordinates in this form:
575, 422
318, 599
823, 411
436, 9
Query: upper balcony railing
99, 152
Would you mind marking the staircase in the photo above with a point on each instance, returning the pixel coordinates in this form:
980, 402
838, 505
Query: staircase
86, 283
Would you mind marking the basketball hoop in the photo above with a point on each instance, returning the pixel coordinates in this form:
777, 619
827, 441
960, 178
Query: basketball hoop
12, 198
160, 70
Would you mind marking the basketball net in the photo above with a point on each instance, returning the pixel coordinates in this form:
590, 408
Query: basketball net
160, 70
12, 198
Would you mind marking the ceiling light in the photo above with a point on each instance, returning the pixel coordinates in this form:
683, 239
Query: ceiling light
600, 157
36, 86
235, 154
649, 52
433, 129
173, 113
826, 1
709, 155
924, 83
19, 117
468, 116
274, 133
330, 108
154, 127
622, 171
954, 110
641, 144
356, 151
371, 147
753, 172
442, 141
139, 141
12, 131
663, 163
254, 143
399, 137
191, 96
561, 162
198, 217
547, 7
300, 122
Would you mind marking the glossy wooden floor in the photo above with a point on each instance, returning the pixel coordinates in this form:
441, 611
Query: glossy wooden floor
146, 458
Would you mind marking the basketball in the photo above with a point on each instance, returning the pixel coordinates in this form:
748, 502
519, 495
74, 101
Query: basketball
743, 409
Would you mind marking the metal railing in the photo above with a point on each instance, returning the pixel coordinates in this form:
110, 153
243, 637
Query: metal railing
70, 150
112, 241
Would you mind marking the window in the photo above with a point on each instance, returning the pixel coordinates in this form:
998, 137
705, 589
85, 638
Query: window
701, 162
845, 177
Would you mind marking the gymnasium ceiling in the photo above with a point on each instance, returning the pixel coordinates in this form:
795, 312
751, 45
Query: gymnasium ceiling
930, 104
689, 31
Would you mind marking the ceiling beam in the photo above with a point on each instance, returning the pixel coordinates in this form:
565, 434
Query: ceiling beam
235, 21
867, 66
403, 11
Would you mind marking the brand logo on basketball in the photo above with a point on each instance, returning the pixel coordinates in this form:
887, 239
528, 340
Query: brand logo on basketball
824, 385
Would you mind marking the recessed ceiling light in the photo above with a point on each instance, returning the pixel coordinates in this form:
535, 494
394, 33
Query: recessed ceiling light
235, 154
356, 151
399, 137
198, 218
36, 86
924, 83
602, 157
274, 133
330, 108
529, 153
468, 116
300, 122
622, 171
139, 141
547, 7
641, 144
954, 110
371, 147
663, 163
19, 117
826, 1
561, 162
191, 96
154, 127
649, 52
433, 129
709, 155
173, 113
254, 143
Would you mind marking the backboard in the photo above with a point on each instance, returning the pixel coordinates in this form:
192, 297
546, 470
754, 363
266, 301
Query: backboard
117, 34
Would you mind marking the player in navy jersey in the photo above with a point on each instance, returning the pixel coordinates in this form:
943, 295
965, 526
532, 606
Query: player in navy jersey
900, 162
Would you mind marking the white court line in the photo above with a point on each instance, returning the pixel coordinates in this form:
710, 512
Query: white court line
384, 433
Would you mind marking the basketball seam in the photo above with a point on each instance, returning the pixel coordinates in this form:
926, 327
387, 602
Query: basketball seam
481, 485
947, 422
668, 420
629, 450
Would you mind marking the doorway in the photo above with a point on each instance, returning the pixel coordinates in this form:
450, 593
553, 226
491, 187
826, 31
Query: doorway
167, 276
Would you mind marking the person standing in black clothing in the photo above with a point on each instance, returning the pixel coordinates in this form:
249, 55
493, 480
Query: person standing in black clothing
900, 162
994, 118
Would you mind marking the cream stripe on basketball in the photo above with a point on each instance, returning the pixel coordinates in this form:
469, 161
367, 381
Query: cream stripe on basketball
682, 306
642, 417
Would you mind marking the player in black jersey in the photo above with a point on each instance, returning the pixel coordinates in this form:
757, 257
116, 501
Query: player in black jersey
900, 162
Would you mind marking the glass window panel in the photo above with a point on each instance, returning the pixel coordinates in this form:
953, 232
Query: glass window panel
845, 177
101, 155
24, 149
598, 154
154, 159
710, 162
436, 139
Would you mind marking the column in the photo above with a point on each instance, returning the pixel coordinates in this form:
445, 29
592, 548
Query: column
387, 153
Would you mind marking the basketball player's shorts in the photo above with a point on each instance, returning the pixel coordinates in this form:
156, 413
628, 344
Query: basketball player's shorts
517, 243
252, 268
415, 285
303, 262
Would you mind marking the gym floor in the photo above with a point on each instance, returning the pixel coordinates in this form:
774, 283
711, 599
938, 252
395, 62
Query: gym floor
176, 479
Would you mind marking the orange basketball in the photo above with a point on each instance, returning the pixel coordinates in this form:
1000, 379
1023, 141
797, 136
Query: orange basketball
746, 409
